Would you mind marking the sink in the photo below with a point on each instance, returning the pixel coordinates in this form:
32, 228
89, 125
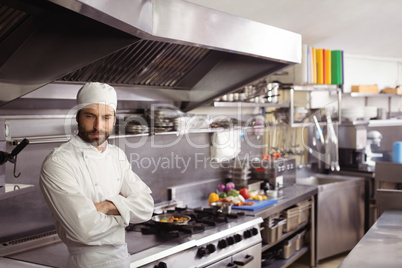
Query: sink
324, 181
317, 180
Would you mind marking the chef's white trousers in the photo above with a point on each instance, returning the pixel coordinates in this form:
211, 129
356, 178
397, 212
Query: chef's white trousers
98, 257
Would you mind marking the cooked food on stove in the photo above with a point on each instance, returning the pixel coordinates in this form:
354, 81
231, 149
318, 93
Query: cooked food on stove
175, 219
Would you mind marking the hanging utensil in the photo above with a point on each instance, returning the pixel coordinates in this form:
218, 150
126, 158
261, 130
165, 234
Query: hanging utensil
12, 157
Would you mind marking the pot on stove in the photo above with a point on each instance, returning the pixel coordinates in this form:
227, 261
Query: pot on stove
223, 207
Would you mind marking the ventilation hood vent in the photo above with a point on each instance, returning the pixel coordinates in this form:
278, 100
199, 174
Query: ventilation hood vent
146, 63
152, 50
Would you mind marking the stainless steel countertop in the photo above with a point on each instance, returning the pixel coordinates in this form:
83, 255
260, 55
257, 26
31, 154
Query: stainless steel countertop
56, 254
291, 195
381, 246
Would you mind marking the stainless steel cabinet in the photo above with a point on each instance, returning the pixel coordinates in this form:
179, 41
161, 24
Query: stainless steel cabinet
340, 213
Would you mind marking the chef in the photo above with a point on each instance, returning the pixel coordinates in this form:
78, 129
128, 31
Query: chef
90, 188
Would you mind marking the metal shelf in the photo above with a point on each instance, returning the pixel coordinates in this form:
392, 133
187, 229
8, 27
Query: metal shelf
284, 236
286, 262
64, 138
11, 190
248, 104
315, 87
311, 88
379, 95
367, 95
385, 123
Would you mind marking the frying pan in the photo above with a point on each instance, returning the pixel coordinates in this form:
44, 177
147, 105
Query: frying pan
158, 219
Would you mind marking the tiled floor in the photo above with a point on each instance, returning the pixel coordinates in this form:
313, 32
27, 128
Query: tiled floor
332, 262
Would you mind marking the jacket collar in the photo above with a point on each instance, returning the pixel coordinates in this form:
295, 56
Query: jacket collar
85, 146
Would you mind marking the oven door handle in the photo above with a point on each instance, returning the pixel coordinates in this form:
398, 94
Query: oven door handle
244, 261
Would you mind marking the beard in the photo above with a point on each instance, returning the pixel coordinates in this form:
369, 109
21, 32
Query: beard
85, 135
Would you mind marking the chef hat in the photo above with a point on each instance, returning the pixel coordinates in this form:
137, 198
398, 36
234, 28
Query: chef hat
95, 92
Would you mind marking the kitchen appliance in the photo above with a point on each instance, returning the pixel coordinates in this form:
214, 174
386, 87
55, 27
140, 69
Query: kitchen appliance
214, 238
374, 137
352, 144
279, 173
388, 185
209, 238
151, 51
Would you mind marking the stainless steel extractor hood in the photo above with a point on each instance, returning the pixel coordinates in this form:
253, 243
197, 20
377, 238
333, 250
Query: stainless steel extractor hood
161, 50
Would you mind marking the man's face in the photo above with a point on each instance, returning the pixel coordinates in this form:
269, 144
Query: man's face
95, 122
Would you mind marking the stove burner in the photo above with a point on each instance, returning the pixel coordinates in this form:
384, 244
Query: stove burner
177, 209
201, 218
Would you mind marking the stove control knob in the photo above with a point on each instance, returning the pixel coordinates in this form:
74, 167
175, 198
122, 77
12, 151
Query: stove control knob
254, 231
222, 244
161, 265
201, 252
211, 248
237, 238
230, 240
247, 234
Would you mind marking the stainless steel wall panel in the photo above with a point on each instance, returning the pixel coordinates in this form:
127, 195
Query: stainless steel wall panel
160, 167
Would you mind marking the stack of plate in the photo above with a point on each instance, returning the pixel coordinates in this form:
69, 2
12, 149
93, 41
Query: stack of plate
162, 125
353, 113
182, 123
135, 124
162, 120
136, 129
370, 112
362, 112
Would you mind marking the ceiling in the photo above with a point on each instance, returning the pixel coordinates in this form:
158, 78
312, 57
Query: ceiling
361, 27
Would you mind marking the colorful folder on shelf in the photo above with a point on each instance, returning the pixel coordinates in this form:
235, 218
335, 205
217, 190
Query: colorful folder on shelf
328, 69
319, 54
320, 66
337, 67
314, 65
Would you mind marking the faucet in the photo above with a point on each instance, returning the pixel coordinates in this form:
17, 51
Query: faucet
331, 147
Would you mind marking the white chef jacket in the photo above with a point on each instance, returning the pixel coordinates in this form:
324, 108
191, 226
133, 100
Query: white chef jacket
74, 177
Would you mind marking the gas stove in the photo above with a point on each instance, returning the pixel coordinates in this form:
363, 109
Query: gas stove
201, 219
209, 237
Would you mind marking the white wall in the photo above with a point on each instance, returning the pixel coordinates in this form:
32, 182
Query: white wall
366, 70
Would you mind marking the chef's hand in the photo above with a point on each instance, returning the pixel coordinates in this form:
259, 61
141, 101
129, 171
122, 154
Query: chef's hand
107, 208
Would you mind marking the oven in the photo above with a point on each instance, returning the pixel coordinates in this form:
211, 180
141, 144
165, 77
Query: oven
250, 257
211, 239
